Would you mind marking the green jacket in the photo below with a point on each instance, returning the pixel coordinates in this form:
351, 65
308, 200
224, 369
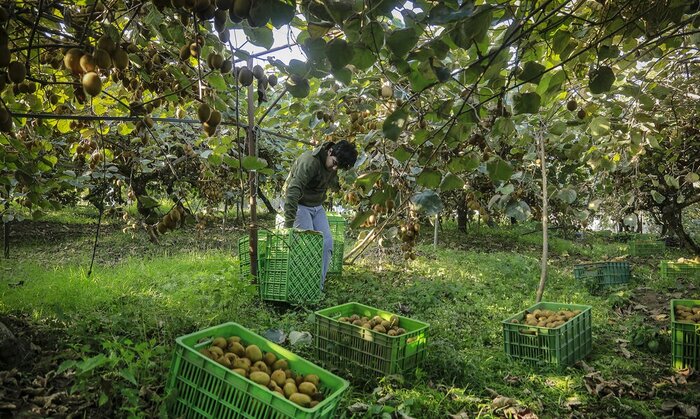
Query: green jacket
307, 183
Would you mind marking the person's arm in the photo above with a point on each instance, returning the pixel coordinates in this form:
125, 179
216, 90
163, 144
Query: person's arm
301, 176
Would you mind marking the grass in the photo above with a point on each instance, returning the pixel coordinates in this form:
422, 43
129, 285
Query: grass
125, 316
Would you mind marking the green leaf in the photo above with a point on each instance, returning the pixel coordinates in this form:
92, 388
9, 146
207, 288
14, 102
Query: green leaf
532, 72
567, 195
298, 67
465, 163
298, 86
692, 177
217, 81
372, 36
499, 169
427, 202
600, 126
519, 210
261, 37
503, 126
429, 178
366, 180
601, 80
402, 154
658, 198
253, 163
92, 363
441, 14
282, 12
526, 103
147, 202
472, 29
607, 51
672, 181
343, 75
394, 124
339, 53
401, 41
360, 218
63, 126
451, 182
363, 58
561, 41
126, 373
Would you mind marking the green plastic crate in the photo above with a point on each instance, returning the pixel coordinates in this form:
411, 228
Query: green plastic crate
685, 338
559, 347
198, 387
363, 352
676, 270
338, 225
646, 247
289, 264
602, 274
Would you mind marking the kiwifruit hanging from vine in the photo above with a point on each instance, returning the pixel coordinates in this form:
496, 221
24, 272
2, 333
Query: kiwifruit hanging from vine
245, 76
87, 63
241, 8
224, 4
177, 3
102, 59
201, 5
214, 118
226, 66
215, 61
92, 83
185, 52
220, 17
106, 43
207, 14
71, 60
272, 80
258, 72
203, 112
16, 72
209, 129
195, 49
4, 55
120, 59
571, 105
386, 91
581, 114
224, 36
232, 15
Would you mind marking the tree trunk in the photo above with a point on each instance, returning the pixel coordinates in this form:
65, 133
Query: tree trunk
545, 247
267, 203
462, 213
640, 224
672, 217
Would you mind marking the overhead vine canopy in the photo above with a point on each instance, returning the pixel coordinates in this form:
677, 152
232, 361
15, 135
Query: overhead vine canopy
443, 96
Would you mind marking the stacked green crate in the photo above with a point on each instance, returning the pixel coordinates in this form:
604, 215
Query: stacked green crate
601, 274
200, 387
289, 264
685, 333
366, 353
338, 225
674, 270
646, 247
557, 346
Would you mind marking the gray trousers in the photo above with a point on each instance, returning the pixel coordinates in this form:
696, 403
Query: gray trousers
314, 218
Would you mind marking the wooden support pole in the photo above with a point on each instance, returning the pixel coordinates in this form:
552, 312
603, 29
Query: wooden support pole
252, 181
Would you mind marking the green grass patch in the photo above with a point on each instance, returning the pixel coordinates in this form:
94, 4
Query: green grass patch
120, 322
